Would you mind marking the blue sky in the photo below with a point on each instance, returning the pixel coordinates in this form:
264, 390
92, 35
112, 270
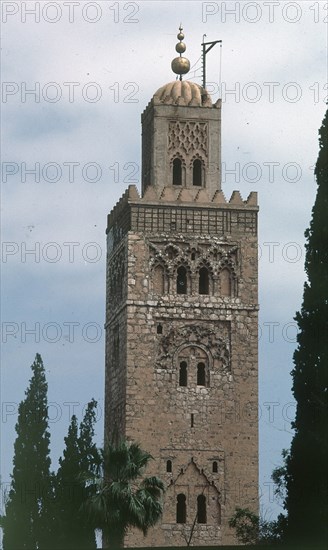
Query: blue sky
93, 68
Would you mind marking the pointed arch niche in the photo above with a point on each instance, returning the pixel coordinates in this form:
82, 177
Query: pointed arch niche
198, 173
178, 171
182, 280
205, 280
159, 279
181, 516
201, 509
201, 504
227, 282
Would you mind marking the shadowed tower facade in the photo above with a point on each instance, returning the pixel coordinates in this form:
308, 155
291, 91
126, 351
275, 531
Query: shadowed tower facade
181, 321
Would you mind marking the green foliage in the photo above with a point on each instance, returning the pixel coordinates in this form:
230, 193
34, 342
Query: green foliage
246, 524
118, 497
272, 532
45, 510
80, 456
306, 480
89, 456
278, 476
26, 523
250, 529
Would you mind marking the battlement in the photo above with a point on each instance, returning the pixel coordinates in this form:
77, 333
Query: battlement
172, 210
173, 197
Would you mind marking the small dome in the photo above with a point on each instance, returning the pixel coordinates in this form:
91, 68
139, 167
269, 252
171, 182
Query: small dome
182, 92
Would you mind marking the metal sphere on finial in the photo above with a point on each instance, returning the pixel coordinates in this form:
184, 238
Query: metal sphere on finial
180, 65
180, 47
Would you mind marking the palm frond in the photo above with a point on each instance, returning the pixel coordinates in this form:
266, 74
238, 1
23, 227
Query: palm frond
115, 500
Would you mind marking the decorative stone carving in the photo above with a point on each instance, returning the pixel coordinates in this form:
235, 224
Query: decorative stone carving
194, 256
188, 138
215, 342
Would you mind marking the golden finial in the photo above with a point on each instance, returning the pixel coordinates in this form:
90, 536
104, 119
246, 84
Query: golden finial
180, 65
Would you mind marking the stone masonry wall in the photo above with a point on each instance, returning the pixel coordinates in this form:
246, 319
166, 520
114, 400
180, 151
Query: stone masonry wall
211, 419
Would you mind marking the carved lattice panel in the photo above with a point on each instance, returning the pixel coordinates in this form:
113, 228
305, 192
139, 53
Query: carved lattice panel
188, 137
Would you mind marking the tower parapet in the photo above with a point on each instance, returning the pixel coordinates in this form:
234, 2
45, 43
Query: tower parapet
171, 210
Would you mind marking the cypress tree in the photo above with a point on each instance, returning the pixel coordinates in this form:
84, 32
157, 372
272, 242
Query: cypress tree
88, 449
26, 523
89, 463
73, 529
68, 492
306, 475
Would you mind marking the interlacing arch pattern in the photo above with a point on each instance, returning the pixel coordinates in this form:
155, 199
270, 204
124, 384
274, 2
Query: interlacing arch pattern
227, 263
181, 270
180, 157
188, 137
204, 262
197, 156
174, 346
172, 251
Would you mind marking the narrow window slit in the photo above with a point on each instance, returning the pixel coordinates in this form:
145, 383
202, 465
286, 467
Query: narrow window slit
182, 280
197, 173
201, 379
203, 281
181, 508
183, 374
177, 172
201, 509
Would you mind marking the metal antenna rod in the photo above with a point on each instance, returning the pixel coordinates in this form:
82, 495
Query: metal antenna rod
205, 51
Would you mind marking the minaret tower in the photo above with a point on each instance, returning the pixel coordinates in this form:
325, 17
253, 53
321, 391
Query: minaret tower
181, 321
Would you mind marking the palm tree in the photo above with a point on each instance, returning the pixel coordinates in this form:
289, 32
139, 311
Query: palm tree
118, 497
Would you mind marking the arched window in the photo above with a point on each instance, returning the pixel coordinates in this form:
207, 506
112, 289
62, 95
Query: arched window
225, 278
203, 281
182, 280
169, 466
197, 172
159, 329
183, 374
181, 508
201, 509
158, 279
201, 374
177, 172
215, 467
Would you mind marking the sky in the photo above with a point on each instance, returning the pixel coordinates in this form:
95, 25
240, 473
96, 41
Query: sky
76, 77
